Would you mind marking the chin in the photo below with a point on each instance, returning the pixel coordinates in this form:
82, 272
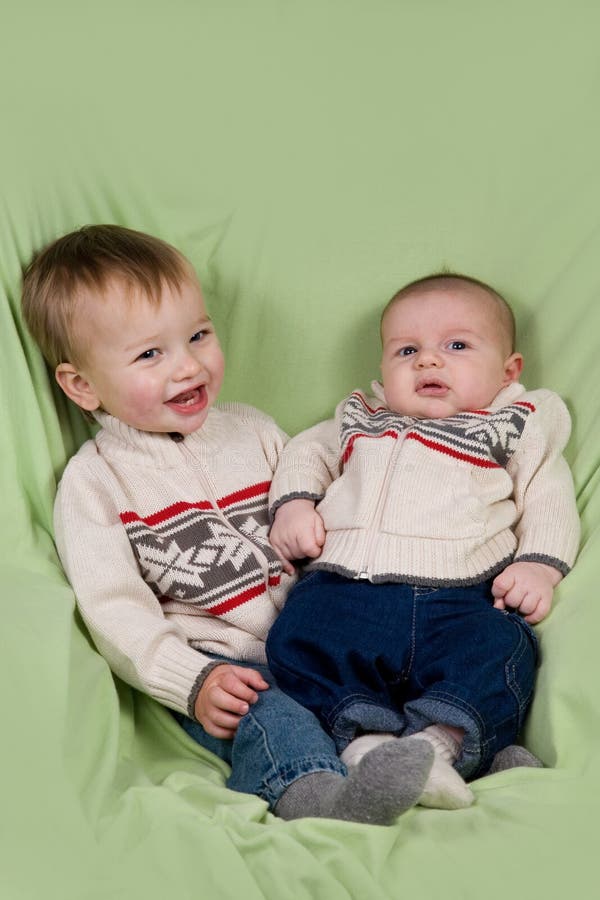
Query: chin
188, 426
436, 411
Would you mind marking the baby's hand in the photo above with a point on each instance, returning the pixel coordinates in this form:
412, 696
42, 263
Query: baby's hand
297, 531
226, 695
526, 587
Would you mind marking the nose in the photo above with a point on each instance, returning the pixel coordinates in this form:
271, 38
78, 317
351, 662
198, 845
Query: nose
428, 357
186, 366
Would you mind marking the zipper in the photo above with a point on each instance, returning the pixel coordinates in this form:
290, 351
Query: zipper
364, 573
254, 548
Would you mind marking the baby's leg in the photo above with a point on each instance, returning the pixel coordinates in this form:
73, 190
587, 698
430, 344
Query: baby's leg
474, 671
512, 757
443, 788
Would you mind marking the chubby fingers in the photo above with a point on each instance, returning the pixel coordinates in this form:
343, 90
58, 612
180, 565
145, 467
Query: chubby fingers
319, 531
539, 610
282, 549
287, 566
531, 599
226, 695
305, 538
502, 584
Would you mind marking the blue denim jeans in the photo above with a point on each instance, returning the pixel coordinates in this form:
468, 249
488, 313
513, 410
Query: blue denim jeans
396, 657
276, 742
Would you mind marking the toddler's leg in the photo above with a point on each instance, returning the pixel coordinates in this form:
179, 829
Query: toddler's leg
384, 783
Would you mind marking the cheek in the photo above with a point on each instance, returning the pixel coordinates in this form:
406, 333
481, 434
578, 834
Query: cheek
218, 367
395, 380
142, 393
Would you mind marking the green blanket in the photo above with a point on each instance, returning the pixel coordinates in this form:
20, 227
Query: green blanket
309, 158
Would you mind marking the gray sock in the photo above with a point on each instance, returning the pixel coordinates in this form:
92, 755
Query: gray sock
513, 756
385, 783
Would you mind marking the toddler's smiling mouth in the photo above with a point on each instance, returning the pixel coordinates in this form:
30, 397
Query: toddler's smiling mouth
189, 401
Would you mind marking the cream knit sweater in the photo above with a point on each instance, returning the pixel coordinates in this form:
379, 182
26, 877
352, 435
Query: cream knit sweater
165, 545
437, 502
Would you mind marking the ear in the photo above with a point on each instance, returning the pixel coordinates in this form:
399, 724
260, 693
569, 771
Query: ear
513, 368
76, 386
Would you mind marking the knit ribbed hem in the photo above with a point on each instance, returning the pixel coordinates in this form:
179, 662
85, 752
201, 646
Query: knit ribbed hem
415, 560
176, 668
562, 567
296, 495
400, 578
198, 686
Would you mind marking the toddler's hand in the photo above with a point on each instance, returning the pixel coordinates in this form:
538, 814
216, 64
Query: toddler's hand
526, 587
297, 531
226, 695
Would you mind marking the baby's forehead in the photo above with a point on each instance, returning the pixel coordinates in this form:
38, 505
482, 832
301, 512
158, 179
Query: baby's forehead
454, 302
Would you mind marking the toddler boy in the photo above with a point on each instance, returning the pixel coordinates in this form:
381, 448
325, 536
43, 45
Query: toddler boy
161, 523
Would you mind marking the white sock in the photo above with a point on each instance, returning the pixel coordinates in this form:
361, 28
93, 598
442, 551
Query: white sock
357, 748
444, 788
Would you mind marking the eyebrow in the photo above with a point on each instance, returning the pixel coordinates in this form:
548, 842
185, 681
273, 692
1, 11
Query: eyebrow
454, 331
154, 338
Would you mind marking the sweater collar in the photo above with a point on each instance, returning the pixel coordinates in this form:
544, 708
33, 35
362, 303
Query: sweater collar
508, 395
148, 447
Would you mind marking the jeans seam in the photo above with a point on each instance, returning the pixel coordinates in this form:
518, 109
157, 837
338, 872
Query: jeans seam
274, 784
413, 639
512, 682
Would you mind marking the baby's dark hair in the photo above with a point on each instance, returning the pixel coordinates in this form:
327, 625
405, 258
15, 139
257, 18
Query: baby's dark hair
67, 271
446, 280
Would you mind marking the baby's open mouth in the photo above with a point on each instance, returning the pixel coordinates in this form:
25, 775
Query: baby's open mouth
432, 387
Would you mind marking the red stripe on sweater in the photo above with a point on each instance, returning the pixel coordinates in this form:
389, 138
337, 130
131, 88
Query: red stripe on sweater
348, 451
255, 490
237, 600
526, 404
243, 597
456, 454
169, 512
366, 405
176, 509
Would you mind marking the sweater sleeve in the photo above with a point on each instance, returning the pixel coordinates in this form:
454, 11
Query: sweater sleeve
548, 525
308, 464
123, 615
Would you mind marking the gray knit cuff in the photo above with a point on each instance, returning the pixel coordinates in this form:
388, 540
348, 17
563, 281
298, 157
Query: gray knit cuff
198, 685
562, 567
296, 495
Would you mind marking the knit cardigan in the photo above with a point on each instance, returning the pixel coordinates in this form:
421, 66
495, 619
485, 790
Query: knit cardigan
437, 501
165, 544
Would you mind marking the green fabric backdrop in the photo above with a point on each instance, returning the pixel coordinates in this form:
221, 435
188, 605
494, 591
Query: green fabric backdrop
309, 157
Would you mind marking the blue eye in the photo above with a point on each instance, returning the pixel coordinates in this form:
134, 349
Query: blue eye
406, 351
457, 345
198, 336
148, 354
